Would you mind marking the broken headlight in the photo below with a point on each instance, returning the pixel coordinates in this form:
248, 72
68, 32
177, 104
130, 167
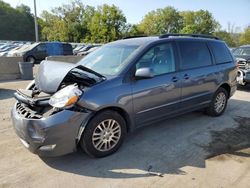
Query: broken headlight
65, 97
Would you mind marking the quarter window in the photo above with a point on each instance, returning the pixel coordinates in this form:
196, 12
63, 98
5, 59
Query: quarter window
194, 54
159, 58
221, 52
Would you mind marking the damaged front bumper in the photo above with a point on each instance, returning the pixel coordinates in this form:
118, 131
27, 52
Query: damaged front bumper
54, 135
243, 76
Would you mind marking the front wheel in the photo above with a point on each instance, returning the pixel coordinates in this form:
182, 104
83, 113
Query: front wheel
31, 59
219, 103
104, 134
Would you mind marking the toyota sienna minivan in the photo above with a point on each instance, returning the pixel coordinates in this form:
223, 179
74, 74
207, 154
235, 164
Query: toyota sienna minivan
123, 85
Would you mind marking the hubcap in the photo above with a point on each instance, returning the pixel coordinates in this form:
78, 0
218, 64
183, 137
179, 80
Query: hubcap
106, 135
220, 102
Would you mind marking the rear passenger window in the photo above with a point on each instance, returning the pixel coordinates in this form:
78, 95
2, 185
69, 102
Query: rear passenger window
221, 52
194, 54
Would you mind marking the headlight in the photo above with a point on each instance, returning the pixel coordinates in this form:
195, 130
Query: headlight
65, 97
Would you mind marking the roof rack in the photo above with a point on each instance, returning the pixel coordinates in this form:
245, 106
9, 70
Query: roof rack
188, 35
137, 36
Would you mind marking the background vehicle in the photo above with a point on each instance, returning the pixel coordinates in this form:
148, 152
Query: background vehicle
76, 50
39, 51
88, 51
242, 55
85, 48
123, 85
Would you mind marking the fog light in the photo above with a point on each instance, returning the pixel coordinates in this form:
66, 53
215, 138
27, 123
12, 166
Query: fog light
47, 147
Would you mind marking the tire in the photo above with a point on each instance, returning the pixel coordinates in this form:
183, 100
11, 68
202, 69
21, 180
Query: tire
31, 59
219, 103
94, 138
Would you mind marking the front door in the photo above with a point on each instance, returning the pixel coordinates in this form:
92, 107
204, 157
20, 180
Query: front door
40, 52
159, 96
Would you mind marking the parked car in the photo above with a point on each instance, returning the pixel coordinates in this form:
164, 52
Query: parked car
76, 50
242, 55
39, 51
88, 52
17, 50
4, 51
124, 85
7, 47
84, 49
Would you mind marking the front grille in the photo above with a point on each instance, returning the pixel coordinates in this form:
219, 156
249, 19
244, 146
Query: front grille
242, 64
24, 111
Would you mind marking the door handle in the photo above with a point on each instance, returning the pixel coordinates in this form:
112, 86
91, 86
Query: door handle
186, 76
174, 79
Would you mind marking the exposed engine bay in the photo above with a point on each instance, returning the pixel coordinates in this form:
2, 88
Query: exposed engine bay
38, 100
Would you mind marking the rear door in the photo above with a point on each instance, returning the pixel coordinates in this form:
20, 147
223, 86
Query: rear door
157, 97
198, 78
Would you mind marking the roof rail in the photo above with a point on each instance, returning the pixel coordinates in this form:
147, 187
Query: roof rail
188, 35
137, 36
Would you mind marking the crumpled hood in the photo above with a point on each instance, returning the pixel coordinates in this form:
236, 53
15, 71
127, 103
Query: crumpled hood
51, 74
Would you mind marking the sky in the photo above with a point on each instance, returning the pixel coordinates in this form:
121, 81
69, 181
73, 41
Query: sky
224, 11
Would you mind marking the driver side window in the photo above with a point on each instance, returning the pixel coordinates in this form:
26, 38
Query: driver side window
41, 48
159, 58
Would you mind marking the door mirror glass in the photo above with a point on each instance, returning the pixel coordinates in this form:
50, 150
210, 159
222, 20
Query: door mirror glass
145, 72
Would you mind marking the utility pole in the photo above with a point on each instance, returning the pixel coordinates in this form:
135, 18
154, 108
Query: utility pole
35, 18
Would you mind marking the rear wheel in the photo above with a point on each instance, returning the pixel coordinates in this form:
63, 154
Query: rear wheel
219, 103
104, 134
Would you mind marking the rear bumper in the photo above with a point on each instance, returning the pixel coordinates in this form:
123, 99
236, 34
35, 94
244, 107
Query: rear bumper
52, 136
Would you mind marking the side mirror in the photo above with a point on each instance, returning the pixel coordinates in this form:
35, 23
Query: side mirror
143, 73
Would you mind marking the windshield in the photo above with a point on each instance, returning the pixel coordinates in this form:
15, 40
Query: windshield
31, 46
108, 60
242, 51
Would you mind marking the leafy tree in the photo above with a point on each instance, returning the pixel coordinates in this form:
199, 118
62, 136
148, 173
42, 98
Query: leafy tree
245, 36
160, 21
201, 22
54, 28
66, 23
106, 24
16, 24
131, 30
227, 37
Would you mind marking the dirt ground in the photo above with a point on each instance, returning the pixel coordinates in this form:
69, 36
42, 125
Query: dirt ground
192, 150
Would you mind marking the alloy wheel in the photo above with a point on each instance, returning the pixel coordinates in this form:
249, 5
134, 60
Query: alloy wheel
220, 102
106, 135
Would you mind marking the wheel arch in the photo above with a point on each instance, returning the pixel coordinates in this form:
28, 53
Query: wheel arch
121, 111
26, 59
227, 87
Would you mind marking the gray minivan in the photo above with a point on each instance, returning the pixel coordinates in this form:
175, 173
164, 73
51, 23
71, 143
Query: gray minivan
123, 85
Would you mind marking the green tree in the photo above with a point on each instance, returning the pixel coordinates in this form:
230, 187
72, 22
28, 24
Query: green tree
67, 22
106, 24
160, 21
245, 36
227, 37
131, 30
200, 22
16, 24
